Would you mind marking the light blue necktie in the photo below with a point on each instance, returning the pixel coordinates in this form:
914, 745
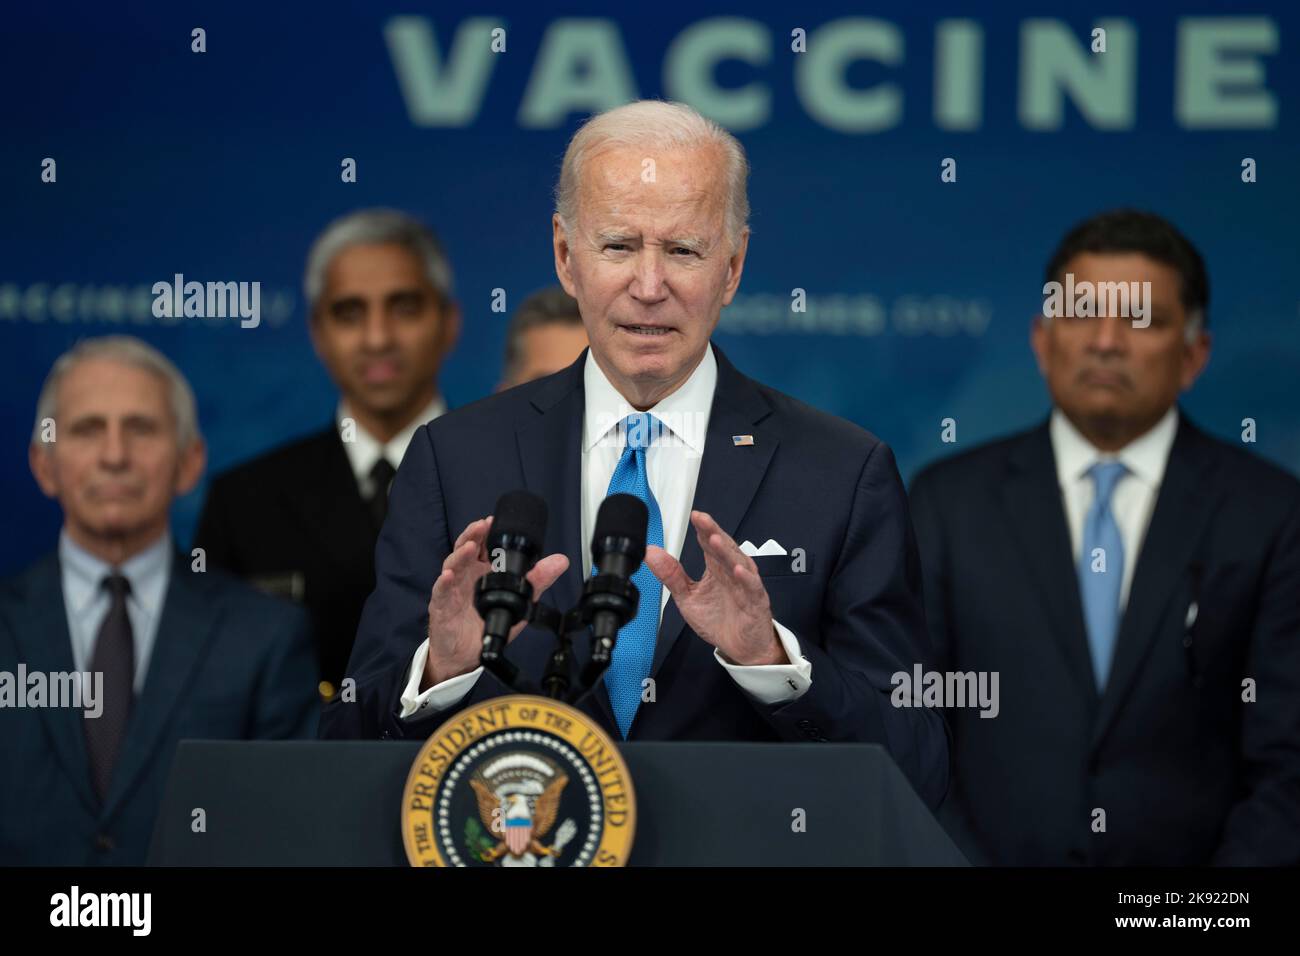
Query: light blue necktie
635, 649
1101, 589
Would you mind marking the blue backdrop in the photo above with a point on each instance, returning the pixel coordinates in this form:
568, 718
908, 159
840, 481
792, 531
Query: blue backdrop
223, 165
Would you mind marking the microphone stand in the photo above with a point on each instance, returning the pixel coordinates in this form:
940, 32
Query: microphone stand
604, 592
557, 682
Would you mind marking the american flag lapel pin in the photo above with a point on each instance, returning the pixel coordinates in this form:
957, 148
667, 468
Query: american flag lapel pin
742, 439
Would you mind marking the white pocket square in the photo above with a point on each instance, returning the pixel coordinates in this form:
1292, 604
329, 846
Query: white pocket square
769, 547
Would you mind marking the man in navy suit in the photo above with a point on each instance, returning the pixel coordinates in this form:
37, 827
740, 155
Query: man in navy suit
1134, 582
116, 647
791, 635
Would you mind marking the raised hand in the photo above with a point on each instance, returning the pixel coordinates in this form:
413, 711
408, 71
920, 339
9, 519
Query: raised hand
728, 606
455, 628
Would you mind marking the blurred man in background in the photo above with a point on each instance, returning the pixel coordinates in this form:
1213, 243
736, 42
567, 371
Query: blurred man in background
175, 650
546, 334
302, 520
1135, 583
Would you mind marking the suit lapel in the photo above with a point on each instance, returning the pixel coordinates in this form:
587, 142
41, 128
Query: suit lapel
187, 626
46, 646
1033, 509
549, 439
729, 478
1187, 500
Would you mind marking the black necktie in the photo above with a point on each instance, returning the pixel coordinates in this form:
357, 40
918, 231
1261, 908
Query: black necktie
114, 657
381, 476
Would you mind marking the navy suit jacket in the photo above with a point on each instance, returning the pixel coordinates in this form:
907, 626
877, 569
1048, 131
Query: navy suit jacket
1185, 770
810, 481
228, 663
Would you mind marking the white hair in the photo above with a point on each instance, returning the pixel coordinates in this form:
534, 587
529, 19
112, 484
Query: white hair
127, 350
367, 227
655, 124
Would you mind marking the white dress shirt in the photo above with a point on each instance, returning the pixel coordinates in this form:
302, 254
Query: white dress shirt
87, 602
365, 450
672, 468
1134, 499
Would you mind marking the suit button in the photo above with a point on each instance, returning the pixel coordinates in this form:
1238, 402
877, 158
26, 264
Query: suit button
1187, 640
385, 735
104, 843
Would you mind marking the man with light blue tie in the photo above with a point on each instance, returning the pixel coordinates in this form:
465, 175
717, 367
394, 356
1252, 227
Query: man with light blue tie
780, 589
1101, 568
1134, 582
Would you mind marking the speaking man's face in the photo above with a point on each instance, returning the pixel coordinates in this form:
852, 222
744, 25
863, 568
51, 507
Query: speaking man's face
382, 331
116, 462
650, 264
1107, 376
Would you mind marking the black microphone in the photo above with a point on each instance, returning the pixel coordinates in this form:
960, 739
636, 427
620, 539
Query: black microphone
609, 600
503, 595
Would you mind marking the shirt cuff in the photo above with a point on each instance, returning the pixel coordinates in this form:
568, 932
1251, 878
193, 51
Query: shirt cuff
773, 683
437, 698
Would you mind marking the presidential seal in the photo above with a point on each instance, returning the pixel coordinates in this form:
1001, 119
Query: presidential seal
518, 781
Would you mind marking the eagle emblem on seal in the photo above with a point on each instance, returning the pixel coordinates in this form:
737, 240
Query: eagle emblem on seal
518, 798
